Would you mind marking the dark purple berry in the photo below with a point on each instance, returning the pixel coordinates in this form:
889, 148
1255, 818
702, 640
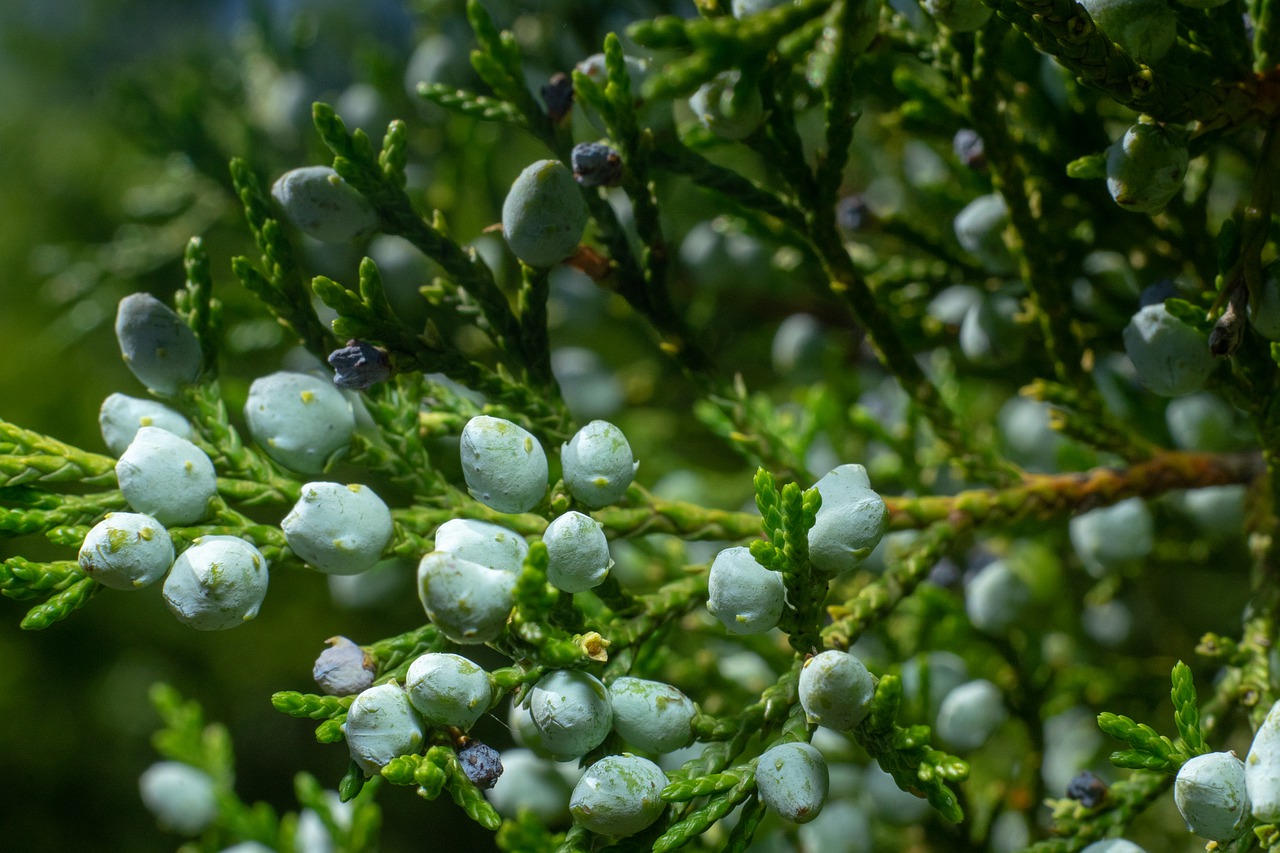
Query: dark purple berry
967, 145
558, 96
481, 763
852, 213
596, 165
1157, 293
1088, 789
359, 365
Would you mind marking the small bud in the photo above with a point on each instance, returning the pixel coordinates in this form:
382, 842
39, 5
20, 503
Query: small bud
557, 94
343, 669
481, 763
596, 165
358, 365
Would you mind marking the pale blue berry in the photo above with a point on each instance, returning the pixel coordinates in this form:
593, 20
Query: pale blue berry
850, 522
337, 529
572, 712
381, 725
1262, 769
544, 214
503, 463
792, 779
650, 715
343, 669
121, 417
468, 602
889, 802
1109, 538
970, 714
1210, 794
619, 795
746, 597
577, 552
989, 333
448, 689
217, 583
126, 550
490, 545
301, 421
157, 346
1146, 166
979, 227
726, 109
836, 690
843, 827
322, 205
181, 797
1113, 845
166, 477
941, 671
598, 465
995, 598
1171, 357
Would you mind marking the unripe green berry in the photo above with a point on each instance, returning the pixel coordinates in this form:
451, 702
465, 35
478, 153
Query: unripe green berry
746, 597
571, 709
181, 797
301, 421
650, 715
484, 543
544, 214
970, 714
995, 597
792, 779
337, 529
468, 602
619, 795
533, 783
577, 552
381, 725
126, 550
122, 416
166, 477
725, 110
1146, 166
836, 690
157, 346
1210, 794
850, 522
1171, 357
217, 583
598, 465
1109, 538
1146, 29
504, 465
321, 204
448, 689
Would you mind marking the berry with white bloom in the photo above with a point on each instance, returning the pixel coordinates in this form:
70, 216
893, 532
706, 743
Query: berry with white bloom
970, 714
503, 463
448, 689
181, 797
572, 711
1262, 769
792, 779
321, 204
468, 602
544, 214
166, 477
577, 552
746, 597
533, 783
121, 416
598, 465
836, 690
850, 522
490, 545
619, 795
1210, 794
126, 550
995, 597
381, 725
650, 715
725, 110
1109, 538
337, 529
217, 583
301, 421
1171, 358
157, 346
